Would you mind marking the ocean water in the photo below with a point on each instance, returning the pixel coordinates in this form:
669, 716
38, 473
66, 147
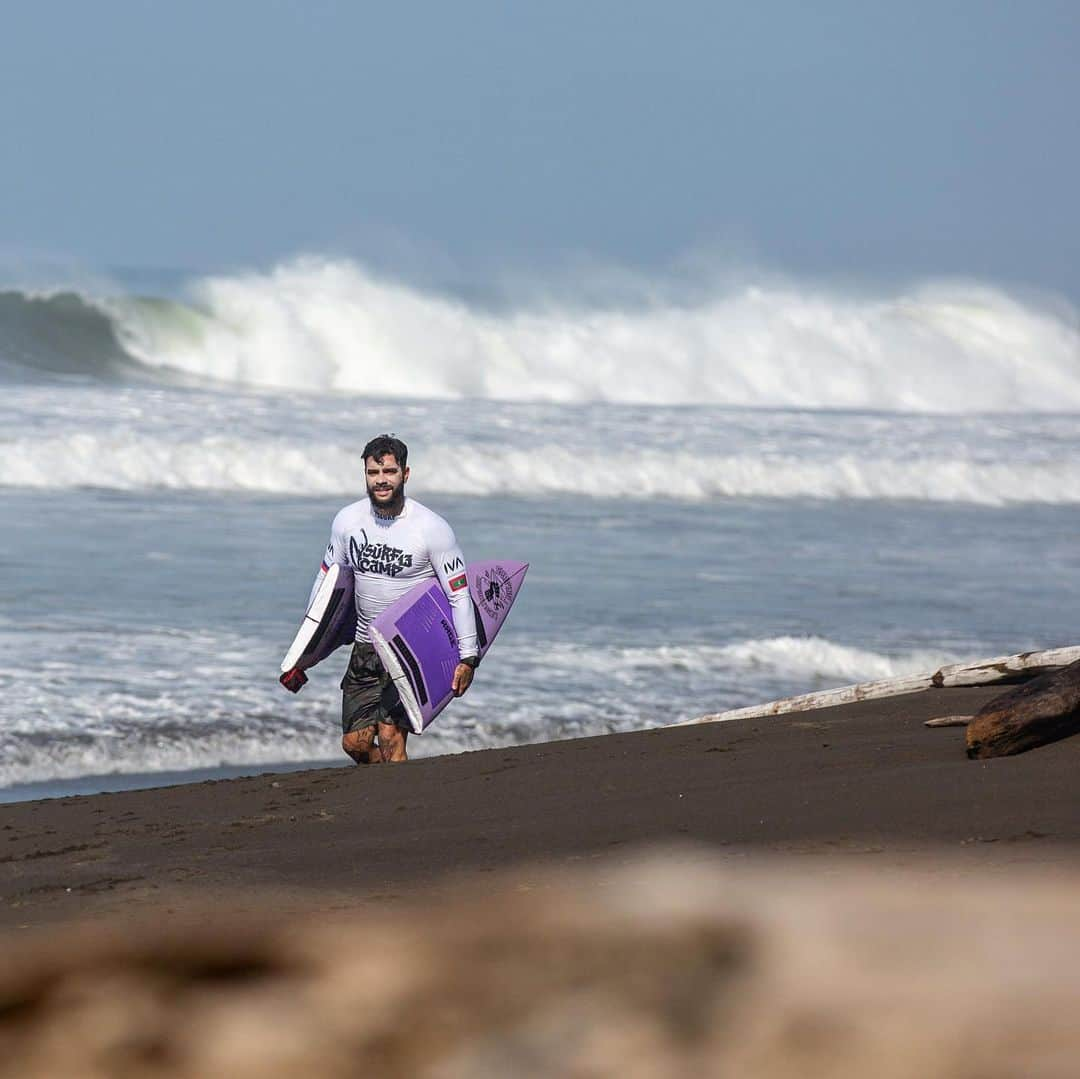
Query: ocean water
726, 494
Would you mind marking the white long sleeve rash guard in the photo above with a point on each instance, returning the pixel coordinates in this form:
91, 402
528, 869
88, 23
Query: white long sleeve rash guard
389, 555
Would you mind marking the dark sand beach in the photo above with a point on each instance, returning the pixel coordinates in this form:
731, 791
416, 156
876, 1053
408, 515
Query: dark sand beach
865, 782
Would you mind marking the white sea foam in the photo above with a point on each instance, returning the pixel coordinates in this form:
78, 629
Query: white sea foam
138, 702
807, 658
104, 755
321, 325
130, 462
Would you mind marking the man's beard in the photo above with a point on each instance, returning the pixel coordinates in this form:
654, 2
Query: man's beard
392, 506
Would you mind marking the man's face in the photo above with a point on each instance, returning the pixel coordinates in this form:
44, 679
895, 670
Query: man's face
385, 479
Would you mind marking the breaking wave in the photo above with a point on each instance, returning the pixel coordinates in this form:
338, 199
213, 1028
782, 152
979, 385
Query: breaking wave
132, 462
808, 659
333, 327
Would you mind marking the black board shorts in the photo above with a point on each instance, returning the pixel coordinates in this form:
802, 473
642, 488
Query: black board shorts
368, 693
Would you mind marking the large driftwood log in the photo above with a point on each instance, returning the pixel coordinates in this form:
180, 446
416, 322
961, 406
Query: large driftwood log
1043, 710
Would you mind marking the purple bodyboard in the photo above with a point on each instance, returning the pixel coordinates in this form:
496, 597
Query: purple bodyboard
416, 641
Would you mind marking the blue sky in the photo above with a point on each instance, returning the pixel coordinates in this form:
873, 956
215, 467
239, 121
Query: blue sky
864, 140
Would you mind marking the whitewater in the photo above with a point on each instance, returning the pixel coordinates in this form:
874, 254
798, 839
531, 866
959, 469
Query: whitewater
325, 326
730, 491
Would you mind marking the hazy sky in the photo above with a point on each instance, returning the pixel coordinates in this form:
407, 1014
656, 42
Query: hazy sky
851, 138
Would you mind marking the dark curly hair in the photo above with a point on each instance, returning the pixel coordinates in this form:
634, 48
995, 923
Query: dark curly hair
381, 445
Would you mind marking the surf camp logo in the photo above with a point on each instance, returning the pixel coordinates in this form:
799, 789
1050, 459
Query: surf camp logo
378, 557
496, 591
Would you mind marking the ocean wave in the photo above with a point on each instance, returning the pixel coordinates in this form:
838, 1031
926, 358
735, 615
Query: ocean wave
807, 659
332, 327
63, 333
130, 462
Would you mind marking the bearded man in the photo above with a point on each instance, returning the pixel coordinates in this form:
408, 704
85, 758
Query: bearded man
391, 542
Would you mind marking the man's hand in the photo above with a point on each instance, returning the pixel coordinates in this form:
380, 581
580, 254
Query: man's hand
463, 676
293, 680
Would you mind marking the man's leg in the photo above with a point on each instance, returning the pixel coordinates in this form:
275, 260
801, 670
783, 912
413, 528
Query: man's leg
360, 745
361, 692
392, 739
370, 705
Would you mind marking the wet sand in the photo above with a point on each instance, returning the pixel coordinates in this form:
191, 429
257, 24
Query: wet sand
865, 782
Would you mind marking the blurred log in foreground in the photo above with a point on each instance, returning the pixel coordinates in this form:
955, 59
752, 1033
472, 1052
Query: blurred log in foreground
1041, 711
657, 969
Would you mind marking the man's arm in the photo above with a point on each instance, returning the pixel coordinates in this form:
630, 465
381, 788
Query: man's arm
449, 565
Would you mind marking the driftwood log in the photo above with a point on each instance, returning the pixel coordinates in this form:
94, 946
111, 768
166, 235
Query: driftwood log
1043, 710
979, 673
948, 721
1015, 668
826, 698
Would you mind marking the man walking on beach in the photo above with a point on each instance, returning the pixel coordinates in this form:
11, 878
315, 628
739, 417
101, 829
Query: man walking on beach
390, 542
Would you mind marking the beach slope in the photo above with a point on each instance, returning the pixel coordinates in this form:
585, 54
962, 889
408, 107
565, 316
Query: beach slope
865, 781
